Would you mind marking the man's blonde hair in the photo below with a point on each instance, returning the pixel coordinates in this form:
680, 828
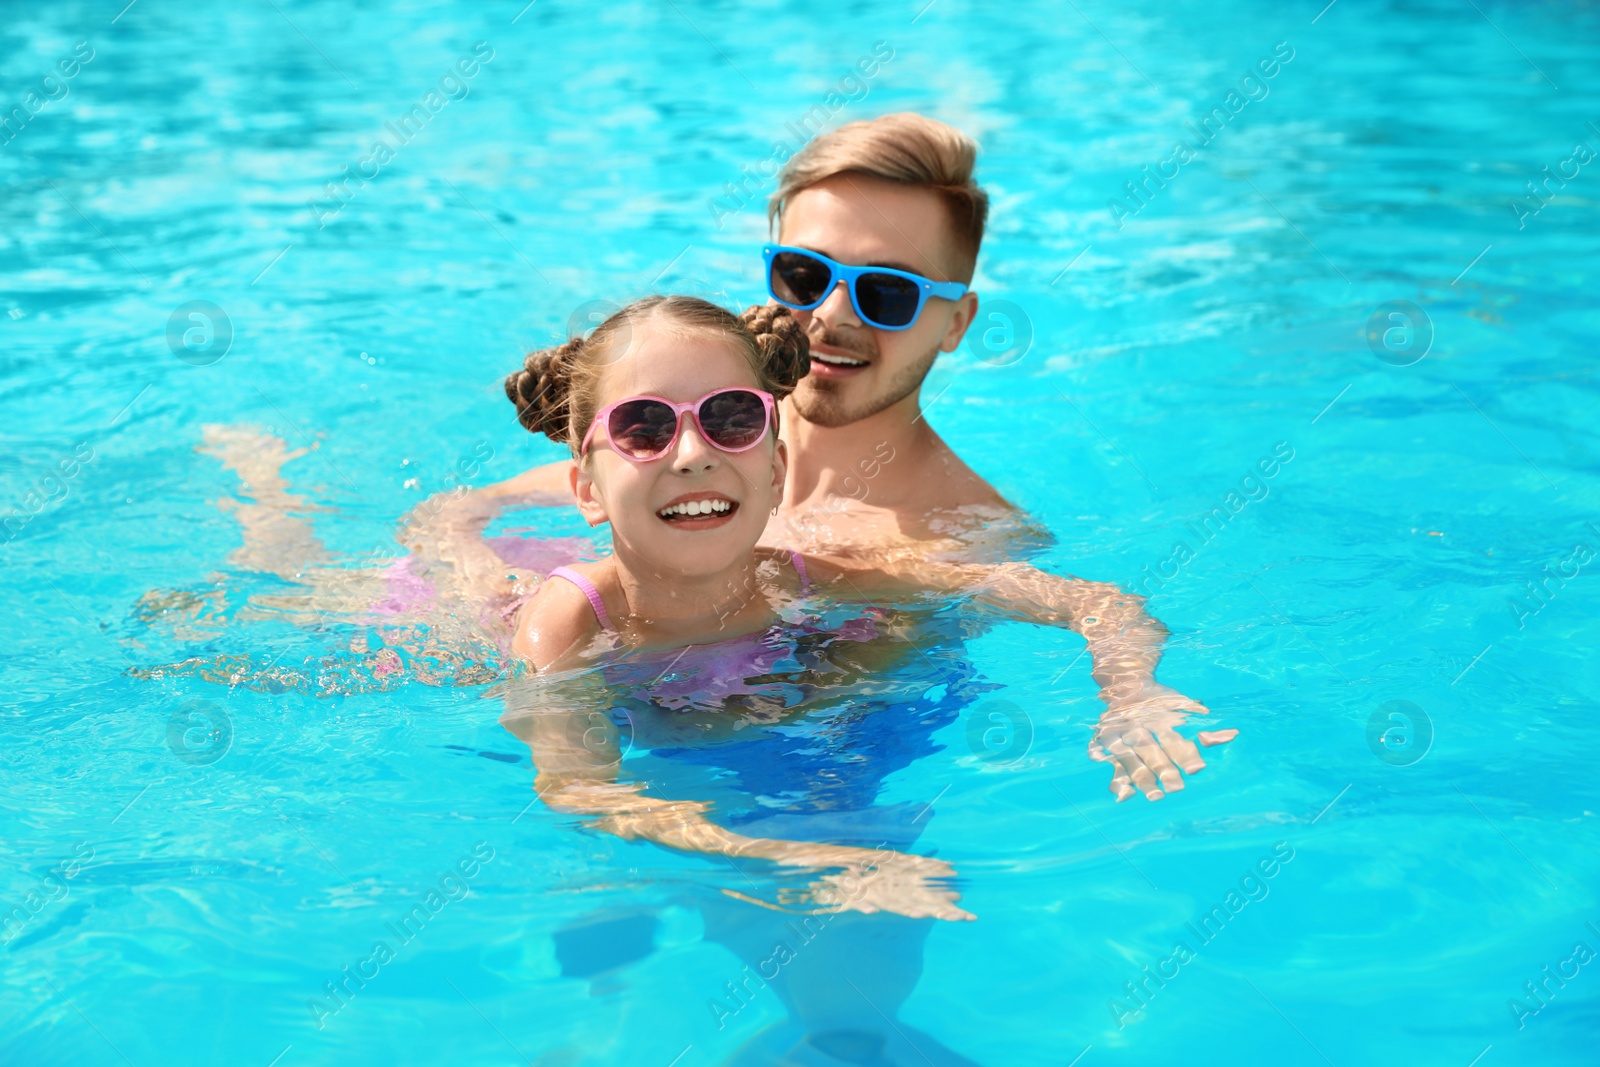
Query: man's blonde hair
907, 148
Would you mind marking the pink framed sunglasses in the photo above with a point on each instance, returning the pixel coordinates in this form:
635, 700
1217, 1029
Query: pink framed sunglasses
644, 428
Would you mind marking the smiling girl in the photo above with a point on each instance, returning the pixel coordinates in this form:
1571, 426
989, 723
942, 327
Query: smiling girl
672, 406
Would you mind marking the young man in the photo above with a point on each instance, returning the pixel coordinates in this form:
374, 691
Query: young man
894, 192
867, 476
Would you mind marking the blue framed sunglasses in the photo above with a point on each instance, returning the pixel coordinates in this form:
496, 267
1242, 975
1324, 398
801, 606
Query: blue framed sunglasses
884, 298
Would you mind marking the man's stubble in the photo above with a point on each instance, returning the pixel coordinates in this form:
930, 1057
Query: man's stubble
827, 403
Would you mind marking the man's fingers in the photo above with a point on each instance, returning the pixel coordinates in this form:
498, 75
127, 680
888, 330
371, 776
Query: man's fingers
1158, 763
1122, 782
1149, 761
1137, 770
942, 906
1181, 751
943, 909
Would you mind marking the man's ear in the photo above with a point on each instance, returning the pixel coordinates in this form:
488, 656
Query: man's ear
589, 505
966, 311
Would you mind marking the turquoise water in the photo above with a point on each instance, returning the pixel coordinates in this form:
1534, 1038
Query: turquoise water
215, 883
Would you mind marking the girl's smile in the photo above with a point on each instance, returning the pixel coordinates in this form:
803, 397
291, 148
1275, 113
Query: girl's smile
698, 511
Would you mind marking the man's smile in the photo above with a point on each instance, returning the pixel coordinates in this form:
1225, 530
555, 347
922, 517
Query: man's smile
830, 362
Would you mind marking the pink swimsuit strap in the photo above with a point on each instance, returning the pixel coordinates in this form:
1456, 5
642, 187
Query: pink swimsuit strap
589, 591
799, 562
599, 605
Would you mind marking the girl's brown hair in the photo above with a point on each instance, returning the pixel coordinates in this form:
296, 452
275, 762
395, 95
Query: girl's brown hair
557, 390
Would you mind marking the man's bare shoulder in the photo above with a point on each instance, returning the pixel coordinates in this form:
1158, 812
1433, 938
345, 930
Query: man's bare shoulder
988, 529
944, 482
923, 500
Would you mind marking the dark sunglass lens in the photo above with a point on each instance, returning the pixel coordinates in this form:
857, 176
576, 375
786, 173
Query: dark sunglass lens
799, 279
887, 299
642, 427
734, 420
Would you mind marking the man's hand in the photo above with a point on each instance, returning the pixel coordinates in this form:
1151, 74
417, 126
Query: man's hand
1138, 735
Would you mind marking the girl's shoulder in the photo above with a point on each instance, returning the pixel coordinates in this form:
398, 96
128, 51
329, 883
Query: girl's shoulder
555, 623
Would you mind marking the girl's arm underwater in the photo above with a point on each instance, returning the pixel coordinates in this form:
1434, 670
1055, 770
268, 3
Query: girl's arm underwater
1137, 732
576, 757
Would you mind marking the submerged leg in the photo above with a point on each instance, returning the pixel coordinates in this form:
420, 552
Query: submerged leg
278, 539
843, 988
842, 976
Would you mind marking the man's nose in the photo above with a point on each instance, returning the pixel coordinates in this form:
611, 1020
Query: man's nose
837, 309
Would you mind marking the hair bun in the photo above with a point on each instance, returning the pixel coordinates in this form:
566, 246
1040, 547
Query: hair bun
785, 348
542, 390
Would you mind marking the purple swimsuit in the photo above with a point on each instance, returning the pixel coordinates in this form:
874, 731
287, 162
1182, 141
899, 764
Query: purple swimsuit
705, 675
599, 606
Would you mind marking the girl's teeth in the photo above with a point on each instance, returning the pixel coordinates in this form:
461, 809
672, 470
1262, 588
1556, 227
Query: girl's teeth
696, 507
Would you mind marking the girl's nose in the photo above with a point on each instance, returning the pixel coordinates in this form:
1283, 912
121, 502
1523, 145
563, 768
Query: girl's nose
694, 455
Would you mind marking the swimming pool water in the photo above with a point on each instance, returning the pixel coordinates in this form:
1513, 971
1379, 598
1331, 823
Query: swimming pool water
1175, 345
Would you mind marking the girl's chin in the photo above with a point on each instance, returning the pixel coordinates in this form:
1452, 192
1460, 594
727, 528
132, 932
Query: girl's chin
693, 548
698, 523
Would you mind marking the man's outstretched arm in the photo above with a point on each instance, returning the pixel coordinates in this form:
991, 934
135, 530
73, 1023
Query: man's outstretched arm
1137, 731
